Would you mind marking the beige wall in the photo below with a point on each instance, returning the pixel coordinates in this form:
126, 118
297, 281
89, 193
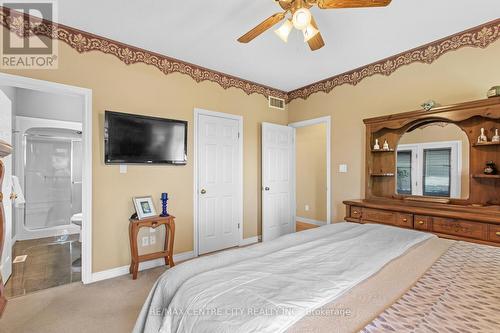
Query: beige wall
145, 90
458, 76
310, 147
462, 75
444, 132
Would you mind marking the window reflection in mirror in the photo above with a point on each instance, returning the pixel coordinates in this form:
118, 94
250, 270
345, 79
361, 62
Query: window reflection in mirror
433, 160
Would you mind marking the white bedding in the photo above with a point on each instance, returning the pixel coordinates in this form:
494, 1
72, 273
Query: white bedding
269, 287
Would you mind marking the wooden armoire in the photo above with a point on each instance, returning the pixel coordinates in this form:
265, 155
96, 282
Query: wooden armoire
475, 218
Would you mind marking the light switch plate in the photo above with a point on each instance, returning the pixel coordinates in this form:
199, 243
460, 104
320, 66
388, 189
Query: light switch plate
123, 168
306, 208
343, 168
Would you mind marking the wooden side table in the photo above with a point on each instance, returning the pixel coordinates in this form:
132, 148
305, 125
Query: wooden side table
153, 222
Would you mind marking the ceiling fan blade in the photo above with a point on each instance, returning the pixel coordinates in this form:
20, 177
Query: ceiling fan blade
327, 4
262, 27
317, 41
285, 4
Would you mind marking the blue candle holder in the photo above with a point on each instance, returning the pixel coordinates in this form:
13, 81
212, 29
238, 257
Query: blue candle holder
164, 199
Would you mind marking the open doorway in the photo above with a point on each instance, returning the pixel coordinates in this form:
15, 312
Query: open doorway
47, 241
312, 173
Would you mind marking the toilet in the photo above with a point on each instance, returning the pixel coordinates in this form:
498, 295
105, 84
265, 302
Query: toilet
77, 219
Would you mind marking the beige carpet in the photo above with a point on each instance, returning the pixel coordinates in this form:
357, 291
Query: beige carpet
107, 306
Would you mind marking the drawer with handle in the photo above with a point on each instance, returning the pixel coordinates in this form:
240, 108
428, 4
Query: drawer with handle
379, 216
422, 222
405, 220
460, 228
494, 233
356, 212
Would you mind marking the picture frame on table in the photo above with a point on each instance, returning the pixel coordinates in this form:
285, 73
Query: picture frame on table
144, 207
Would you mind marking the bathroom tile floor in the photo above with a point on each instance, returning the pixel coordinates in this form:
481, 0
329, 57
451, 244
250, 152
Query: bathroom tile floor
50, 262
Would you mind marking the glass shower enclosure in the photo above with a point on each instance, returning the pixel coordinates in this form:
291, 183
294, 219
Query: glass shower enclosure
52, 177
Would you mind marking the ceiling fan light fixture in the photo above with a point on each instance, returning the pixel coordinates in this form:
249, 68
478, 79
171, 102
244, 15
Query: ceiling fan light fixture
284, 30
301, 18
309, 32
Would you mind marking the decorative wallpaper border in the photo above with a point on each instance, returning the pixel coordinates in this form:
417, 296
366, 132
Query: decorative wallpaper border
83, 41
480, 36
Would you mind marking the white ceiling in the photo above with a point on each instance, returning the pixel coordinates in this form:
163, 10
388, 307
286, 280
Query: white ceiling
205, 32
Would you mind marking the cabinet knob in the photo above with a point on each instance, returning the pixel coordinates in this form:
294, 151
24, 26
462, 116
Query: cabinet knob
355, 212
13, 196
266, 188
420, 222
203, 191
405, 220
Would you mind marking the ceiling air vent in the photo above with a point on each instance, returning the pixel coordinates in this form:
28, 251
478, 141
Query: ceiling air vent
276, 103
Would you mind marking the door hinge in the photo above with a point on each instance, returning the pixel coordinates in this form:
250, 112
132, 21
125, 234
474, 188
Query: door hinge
238, 225
238, 135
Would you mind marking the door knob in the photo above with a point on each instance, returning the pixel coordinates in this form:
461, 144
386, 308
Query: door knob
266, 188
203, 191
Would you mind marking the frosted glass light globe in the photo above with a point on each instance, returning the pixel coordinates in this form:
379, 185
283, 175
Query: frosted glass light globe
301, 18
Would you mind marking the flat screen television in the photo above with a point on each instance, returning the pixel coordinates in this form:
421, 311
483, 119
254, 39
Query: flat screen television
134, 139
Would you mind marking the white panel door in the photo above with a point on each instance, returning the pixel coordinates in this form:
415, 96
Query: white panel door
278, 147
6, 135
219, 183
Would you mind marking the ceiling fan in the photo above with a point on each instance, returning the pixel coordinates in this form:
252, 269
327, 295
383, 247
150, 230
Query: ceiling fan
301, 19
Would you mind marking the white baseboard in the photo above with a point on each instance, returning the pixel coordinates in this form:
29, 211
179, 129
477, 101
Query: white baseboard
248, 241
310, 221
124, 270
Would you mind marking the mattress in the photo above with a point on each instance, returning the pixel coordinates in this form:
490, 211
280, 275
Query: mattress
274, 286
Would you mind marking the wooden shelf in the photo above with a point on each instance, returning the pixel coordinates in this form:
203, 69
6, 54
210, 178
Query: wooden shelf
382, 151
480, 175
382, 175
477, 144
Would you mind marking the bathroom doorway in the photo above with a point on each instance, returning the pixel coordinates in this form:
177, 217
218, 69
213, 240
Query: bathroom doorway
49, 239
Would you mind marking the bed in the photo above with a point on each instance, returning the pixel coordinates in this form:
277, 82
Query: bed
344, 277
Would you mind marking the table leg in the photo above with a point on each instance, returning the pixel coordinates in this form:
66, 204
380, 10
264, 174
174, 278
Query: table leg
169, 245
134, 253
135, 270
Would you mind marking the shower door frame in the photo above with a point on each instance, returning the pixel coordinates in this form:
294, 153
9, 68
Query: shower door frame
23, 124
86, 98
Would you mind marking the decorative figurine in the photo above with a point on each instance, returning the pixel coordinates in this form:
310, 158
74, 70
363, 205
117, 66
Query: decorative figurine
496, 137
490, 169
164, 199
482, 137
377, 145
429, 105
386, 145
494, 92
